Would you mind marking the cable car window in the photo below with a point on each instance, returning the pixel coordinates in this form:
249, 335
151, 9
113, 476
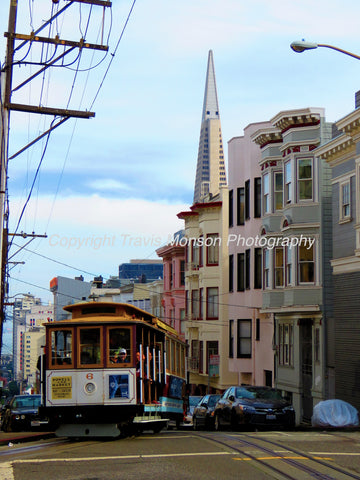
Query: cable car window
61, 347
119, 341
90, 342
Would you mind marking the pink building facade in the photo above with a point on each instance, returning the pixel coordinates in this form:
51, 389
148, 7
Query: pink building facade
173, 300
250, 331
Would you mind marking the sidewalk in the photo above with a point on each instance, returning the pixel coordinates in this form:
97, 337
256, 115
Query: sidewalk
23, 437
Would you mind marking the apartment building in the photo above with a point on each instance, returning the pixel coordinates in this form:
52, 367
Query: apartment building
342, 154
251, 331
206, 289
296, 224
173, 297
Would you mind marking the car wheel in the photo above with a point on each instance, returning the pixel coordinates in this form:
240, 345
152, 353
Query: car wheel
217, 423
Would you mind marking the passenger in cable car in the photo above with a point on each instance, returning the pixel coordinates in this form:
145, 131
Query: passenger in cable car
119, 356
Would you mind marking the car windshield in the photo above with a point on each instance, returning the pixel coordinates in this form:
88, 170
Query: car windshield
193, 401
213, 400
27, 402
260, 393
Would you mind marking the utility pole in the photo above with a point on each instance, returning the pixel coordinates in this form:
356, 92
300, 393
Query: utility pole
5, 81
60, 115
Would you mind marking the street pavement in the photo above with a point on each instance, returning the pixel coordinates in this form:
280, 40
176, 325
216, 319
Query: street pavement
22, 437
7, 438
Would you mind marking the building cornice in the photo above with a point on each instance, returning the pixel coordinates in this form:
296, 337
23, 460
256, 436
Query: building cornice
292, 309
201, 206
265, 136
338, 150
183, 215
297, 118
350, 123
171, 250
345, 265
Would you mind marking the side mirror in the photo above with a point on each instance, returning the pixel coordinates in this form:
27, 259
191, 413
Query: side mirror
205, 405
231, 398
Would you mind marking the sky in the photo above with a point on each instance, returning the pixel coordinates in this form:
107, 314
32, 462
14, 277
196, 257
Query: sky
108, 189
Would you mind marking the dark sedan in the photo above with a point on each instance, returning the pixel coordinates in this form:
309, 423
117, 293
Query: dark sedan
22, 413
203, 415
250, 405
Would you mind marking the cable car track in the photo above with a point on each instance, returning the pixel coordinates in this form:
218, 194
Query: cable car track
241, 443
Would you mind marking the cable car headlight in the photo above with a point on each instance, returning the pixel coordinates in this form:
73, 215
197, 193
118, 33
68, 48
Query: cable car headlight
90, 388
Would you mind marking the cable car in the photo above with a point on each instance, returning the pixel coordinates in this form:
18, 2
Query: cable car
111, 369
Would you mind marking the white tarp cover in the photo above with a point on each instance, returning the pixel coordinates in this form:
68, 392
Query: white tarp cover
334, 413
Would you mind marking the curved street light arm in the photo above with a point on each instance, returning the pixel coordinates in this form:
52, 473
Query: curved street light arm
339, 50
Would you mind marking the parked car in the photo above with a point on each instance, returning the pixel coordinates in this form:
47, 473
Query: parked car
193, 401
203, 415
22, 413
253, 405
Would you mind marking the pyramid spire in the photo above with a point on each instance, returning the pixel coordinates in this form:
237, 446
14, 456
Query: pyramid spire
210, 171
211, 106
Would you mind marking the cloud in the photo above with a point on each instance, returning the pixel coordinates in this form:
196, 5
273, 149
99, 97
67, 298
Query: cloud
99, 214
108, 184
88, 234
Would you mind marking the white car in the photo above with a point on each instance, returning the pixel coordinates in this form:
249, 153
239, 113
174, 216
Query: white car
193, 401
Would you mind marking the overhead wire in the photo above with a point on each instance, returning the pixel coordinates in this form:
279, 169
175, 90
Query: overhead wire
78, 58
113, 54
45, 57
46, 143
33, 183
180, 296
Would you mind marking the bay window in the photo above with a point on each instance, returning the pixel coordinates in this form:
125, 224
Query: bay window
212, 249
266, 194
287, 181
306, 264
305, 179
285, 344
266, 264
279, 267
278, 191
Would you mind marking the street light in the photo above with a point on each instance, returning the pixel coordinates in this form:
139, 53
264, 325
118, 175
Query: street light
301, 46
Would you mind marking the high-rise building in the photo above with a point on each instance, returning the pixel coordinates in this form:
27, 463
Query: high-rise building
140, 271
21, 307
67, 291
210, 171
206, 257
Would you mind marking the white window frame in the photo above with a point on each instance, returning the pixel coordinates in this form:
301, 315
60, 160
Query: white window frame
266, 269
287, 196
289, 270
278, 192
303, 180
286, 344
266, 193
344, 202
279, 269
299, 263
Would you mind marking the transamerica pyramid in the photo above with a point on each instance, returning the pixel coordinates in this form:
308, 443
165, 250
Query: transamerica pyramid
210, 171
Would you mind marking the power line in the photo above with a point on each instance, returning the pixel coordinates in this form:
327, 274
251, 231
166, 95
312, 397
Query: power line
113, 54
